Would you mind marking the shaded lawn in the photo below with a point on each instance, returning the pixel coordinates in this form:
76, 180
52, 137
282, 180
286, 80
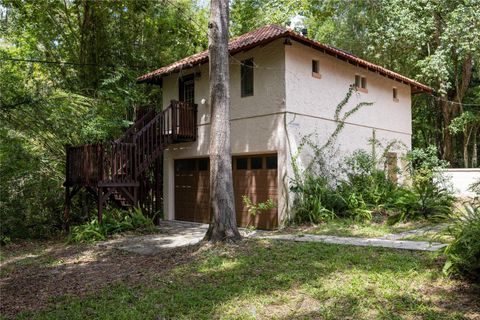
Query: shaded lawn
352, 228
261, 279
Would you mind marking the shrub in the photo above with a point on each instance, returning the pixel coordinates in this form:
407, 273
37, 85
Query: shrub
427, 198
366, 186
315, 200
254, 209
363, 189
475, 188
463, 253
114, 221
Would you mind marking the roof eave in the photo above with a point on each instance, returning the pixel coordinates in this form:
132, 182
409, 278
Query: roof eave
154, 77
146, 78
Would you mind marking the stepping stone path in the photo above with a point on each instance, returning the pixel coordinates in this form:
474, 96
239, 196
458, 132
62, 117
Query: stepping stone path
175, 234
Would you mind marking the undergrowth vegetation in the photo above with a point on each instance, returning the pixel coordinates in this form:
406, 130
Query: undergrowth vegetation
114, 221
363, 183
463, 253
361, 193
362, 190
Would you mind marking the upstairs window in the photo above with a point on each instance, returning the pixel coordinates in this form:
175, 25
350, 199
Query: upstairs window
395, 94
364, 83
361, 83
186, 87
357, 81
246, 74
315, 69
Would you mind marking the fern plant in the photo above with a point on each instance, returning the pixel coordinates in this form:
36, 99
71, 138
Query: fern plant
463, 253
114, 221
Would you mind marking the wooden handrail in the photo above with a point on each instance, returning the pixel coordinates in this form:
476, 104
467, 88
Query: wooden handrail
121, 162
137, 125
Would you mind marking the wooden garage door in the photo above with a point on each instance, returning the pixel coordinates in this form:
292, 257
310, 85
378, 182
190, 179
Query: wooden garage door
253, 176
192, 190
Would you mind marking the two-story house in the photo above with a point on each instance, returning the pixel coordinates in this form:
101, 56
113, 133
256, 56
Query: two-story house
283, 86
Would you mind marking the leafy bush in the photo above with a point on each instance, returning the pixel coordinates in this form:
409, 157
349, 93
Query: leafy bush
114, 221
463, 253
475, 188
31, 196
427, 198
254, 209
364, 190
315, 200
366, 185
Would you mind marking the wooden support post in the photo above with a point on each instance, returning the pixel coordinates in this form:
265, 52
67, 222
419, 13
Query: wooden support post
158, 187
135, 196
100, 205
66, 210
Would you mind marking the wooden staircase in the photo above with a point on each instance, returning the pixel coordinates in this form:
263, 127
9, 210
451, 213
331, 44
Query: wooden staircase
128, 170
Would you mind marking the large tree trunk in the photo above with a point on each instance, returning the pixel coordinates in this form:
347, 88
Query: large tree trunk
466, 139
452, 110
474, 149
447, 152
223, 225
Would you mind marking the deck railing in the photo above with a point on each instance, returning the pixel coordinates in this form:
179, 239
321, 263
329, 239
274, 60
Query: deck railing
119, 163
82, 165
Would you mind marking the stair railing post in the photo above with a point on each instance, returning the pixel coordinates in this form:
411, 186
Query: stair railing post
195, 114
173, 109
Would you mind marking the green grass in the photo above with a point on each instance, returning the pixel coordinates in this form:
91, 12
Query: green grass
367, 229
282, 280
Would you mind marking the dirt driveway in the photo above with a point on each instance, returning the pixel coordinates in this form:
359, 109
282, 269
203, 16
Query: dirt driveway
34, 275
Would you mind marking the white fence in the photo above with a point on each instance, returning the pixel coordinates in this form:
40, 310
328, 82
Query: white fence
461, 179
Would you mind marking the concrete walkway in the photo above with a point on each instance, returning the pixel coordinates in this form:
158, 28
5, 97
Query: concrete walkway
416, 232
364, 242
174, 234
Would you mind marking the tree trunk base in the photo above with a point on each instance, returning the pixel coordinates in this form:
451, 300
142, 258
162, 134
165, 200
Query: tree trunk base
227, 235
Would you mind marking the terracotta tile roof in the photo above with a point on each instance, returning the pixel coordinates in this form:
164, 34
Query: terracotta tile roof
270, 33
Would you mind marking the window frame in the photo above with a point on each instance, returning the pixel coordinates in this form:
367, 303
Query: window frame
316, 69
182, 83
361, 83
395, 94
243, 67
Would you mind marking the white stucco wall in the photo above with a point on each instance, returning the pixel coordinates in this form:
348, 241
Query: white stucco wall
311, 104
462, 179
255, 120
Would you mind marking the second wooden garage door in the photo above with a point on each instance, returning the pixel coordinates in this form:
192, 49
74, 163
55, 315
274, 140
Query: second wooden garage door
253, 176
